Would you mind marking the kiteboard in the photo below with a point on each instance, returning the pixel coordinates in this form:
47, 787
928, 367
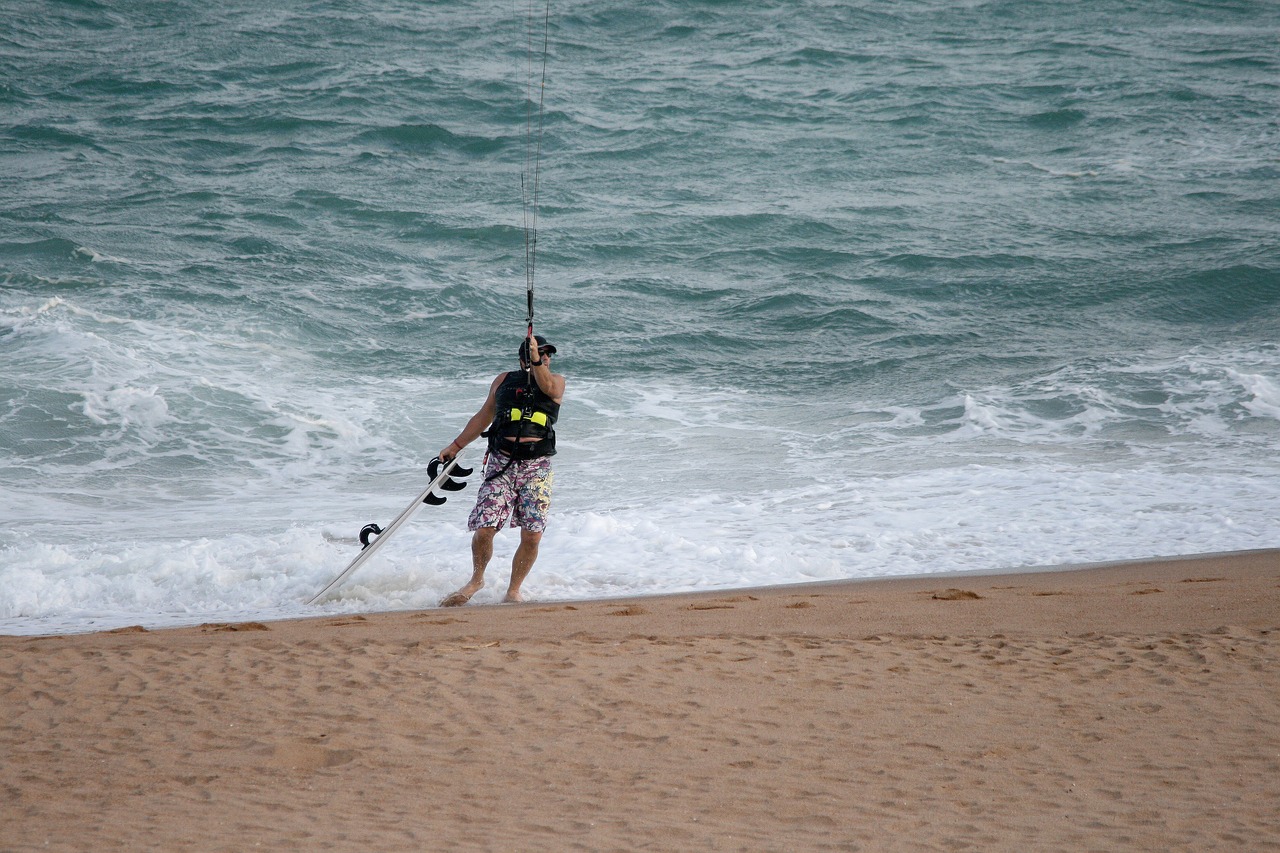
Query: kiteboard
373, 537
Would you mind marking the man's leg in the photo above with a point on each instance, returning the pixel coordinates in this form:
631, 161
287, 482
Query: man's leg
522, 562
481, 552
532, 507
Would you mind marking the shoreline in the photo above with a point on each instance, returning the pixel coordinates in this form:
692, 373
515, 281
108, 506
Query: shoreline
1069, 580
1120, 706
264, 618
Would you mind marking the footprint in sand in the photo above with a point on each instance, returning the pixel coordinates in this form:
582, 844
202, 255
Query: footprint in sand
348, 620
305, 756
956, 595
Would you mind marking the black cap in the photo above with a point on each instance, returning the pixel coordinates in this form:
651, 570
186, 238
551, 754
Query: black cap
543, 346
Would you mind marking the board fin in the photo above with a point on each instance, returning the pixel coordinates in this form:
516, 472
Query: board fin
447, 484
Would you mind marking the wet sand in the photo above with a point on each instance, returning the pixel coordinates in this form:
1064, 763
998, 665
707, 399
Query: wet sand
1132, 706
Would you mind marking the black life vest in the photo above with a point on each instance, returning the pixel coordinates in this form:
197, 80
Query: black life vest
523, 411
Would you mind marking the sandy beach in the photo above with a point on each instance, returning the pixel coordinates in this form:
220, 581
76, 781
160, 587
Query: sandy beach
1130, 706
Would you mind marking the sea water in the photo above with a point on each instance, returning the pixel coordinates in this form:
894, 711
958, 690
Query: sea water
841, 291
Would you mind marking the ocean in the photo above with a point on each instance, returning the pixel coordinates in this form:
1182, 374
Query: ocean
840, 291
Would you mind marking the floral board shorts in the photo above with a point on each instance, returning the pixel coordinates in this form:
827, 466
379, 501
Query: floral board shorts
518, 497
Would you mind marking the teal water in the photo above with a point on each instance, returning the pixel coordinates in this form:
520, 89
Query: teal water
840, 291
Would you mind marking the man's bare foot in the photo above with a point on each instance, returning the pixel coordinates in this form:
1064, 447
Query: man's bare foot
461, 597
513, 598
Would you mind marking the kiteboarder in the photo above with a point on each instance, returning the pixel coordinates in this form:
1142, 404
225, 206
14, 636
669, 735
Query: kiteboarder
519, 417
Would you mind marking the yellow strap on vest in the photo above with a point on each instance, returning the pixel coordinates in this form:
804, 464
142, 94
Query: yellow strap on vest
539, 418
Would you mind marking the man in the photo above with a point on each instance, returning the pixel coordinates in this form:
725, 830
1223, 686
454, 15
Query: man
520, 414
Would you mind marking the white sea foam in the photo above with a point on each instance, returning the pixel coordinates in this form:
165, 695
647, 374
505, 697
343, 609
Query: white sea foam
98, 257
126, 406
968, 518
